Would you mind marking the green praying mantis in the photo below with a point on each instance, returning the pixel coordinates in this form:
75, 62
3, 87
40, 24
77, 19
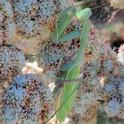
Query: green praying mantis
68, 93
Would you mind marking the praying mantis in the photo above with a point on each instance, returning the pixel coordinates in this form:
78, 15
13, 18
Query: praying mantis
72, 70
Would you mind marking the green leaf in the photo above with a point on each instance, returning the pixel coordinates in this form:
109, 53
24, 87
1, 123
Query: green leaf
63, 21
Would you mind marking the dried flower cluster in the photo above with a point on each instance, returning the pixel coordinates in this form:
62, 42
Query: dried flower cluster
114, 89
27, 100
12, 61
34, 17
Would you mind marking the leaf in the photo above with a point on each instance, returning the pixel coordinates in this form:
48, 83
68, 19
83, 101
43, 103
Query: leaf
63, 21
